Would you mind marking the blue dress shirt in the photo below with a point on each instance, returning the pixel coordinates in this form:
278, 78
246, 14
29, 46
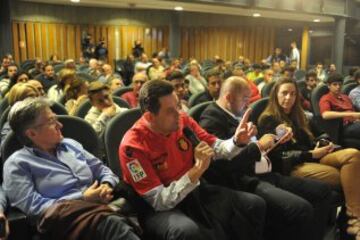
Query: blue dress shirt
35, 180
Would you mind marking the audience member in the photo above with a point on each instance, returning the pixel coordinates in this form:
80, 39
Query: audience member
38, 68
289, 212
4, 65
12, 70
76, 94
159, 162
66, 77
295, 54
18, 92
350, 77
115, 83
320, 72
103, 108
197, 83
132, 97
355, 93
255, 94
268, 78
156, 71
94, 68
138, 50
276, 56
128, 69
310, 84
48, 77
36, 84
308, 156
143, 64
214, 81
108, 74
3, 206
335, 105
61, 187
255, 73
177, 80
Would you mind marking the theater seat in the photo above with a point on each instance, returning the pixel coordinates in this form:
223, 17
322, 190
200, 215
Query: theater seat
85, 76
196, 111
56, 107
195, 99
332, 127
257, 108
119, 92
85, 106
346, 89
114, 133
73, 127
265, 91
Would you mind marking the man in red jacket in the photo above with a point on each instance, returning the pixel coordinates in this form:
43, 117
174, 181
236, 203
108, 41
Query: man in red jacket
165, 168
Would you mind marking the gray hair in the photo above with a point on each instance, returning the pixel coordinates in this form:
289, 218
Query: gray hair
23, 115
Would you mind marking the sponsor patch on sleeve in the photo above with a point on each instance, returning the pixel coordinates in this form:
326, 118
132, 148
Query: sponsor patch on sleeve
136, 170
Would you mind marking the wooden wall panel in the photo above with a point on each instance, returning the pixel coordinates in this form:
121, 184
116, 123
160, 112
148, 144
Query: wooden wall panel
15, 38
22, 44
111, 44
30, 40
229, 43
52, 38
77, 41
59, 41
33, 39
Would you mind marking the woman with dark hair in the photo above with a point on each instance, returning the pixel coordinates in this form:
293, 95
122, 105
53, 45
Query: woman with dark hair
66, 77
17, 78
308, 156
76, 95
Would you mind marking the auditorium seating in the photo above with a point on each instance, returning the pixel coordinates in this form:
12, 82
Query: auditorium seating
196, 111
85, 106
119, 92
332, 127
194, 99
74, 128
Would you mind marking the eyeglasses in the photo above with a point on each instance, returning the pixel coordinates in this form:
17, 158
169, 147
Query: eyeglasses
51, 122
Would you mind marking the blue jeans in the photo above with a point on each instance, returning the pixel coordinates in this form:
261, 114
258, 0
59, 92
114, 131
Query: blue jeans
115, 227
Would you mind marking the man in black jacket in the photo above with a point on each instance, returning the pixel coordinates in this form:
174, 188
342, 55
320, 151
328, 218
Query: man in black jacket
294, 204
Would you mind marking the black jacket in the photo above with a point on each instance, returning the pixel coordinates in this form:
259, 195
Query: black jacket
293, 152
239, 172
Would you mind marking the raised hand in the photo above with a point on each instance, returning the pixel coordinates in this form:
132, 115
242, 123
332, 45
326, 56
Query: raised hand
245, 130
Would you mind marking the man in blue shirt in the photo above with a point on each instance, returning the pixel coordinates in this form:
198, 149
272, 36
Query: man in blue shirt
51, 172
3, 205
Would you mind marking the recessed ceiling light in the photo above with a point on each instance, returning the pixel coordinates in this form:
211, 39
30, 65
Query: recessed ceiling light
75, 1
178, 8
316, 20
256, 15
290, 29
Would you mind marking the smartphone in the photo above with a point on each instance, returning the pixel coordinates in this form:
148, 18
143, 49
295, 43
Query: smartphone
280, 132
278, 140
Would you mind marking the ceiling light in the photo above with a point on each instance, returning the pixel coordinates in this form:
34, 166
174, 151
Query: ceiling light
316, 20
290, 29
75, 1
178, 8
256, 15
311, 31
